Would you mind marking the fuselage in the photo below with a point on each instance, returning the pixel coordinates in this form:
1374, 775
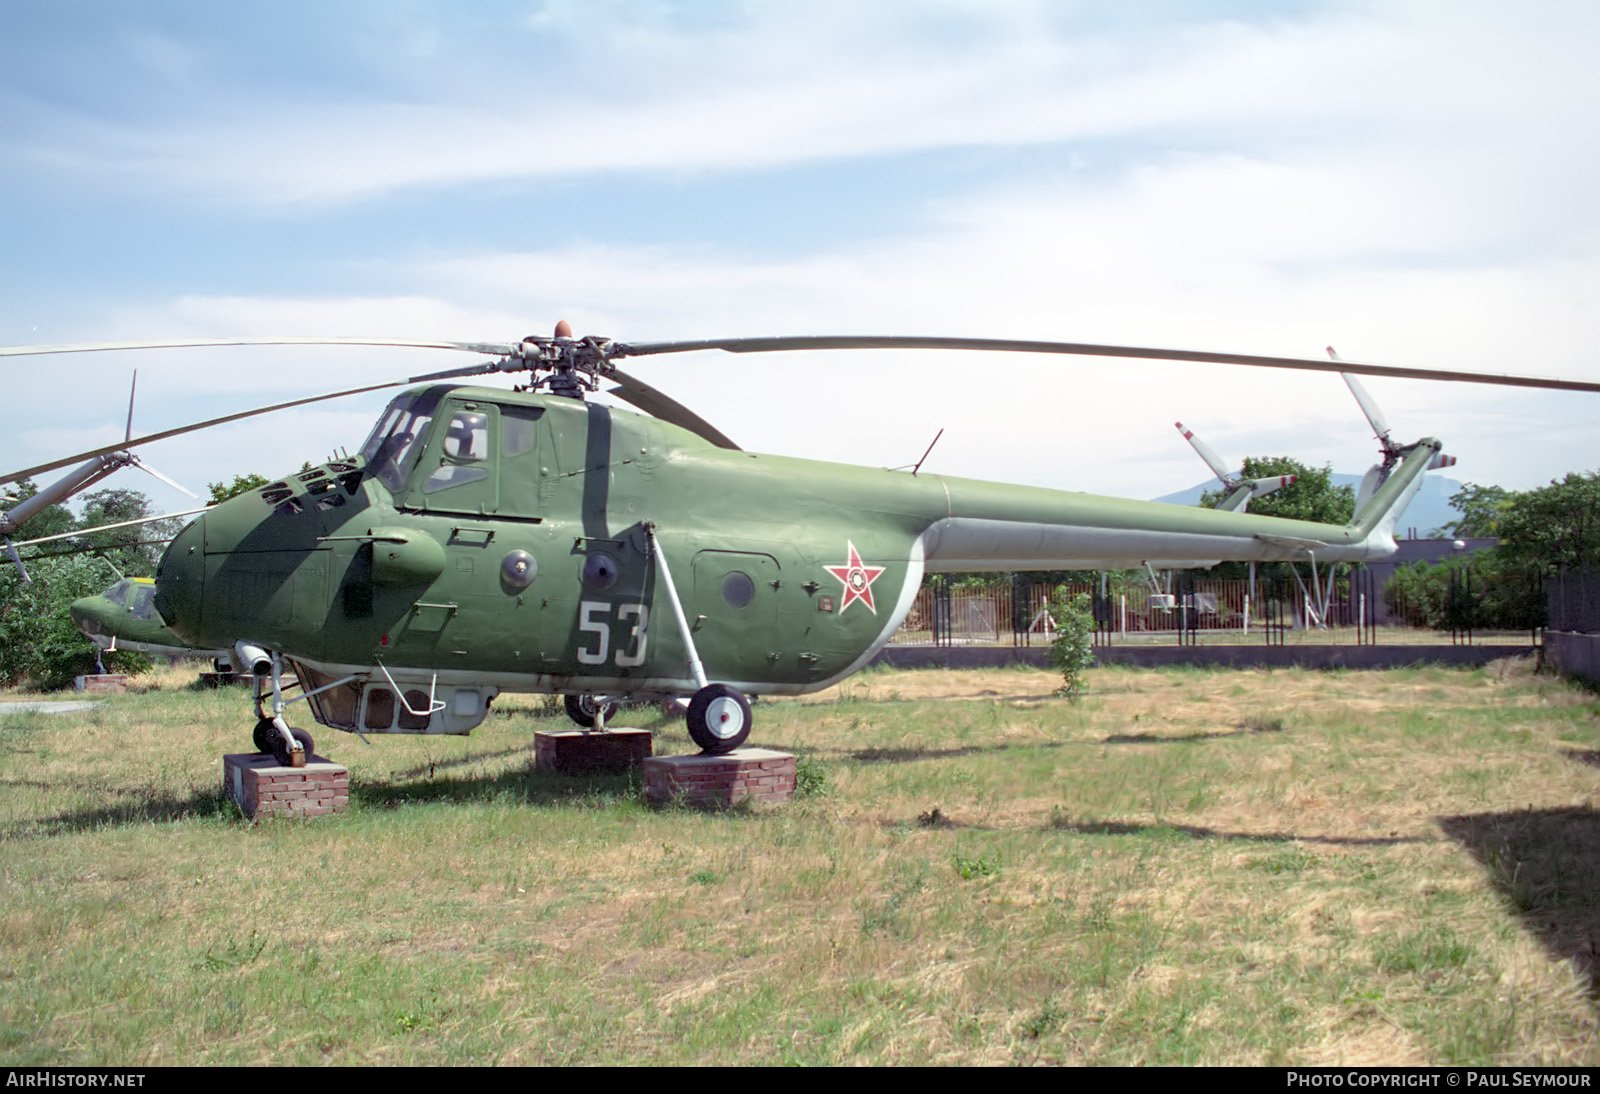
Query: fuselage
492, 539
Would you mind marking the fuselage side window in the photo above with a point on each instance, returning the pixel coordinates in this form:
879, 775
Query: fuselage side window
463, 451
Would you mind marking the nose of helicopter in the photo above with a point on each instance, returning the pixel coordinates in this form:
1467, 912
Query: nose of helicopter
89, 614
180, 580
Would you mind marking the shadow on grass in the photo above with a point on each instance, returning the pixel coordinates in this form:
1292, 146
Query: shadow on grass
1546, 864
1585, 756
147, 808
522, 785
1197, 831
910, 755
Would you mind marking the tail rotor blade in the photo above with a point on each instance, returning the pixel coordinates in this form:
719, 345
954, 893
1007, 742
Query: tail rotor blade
1207, 453
1260, 488
1369, 407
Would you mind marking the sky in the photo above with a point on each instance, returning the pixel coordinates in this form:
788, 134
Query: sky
1409, 181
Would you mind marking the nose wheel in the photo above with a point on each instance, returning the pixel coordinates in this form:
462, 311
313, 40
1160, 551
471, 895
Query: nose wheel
268, 738
719, 718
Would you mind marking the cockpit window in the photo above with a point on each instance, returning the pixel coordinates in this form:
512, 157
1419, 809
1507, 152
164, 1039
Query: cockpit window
139, 604
118, 594
393, 446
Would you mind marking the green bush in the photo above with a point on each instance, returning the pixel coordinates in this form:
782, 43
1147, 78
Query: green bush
1072, 648
38, 642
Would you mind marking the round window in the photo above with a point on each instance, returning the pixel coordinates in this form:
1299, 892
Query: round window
737, 589
600, 571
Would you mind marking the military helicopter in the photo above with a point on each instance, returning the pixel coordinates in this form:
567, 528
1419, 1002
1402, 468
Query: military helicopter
123, 617
484, 540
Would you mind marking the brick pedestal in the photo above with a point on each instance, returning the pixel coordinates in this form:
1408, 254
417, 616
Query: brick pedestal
756, 774
574, 752
262, 788
101, 683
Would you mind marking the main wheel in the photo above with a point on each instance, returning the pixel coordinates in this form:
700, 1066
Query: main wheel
583, 708
719, 718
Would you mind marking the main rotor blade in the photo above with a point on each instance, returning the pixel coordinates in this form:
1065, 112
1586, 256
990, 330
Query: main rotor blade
109, 527
148, 470
1085, 349
665, 407
499, 349
164, 434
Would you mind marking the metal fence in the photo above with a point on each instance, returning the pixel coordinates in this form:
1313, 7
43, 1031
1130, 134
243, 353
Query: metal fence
1190, 608
1573, 601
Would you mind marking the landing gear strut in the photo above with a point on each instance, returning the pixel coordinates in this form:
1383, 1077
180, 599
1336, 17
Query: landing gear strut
591, 710
718, 715
291, 747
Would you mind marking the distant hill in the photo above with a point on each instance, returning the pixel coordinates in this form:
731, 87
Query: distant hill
1428, 510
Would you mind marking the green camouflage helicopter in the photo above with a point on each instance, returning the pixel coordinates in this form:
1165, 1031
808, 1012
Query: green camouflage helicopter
485, 540
124, 617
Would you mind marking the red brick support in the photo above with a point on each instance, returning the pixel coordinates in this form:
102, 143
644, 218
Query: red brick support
576, 752
753, 774
102, 683
262, 788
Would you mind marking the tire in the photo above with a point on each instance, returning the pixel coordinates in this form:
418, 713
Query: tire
719, 718
280, 749
265, 736
582, 709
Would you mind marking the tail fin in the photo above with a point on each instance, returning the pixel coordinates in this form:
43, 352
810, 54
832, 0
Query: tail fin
1391, 491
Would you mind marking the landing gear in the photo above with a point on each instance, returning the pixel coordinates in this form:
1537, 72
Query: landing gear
281, 752
719, 718
268, 738
265, 735
718, 715
289, 746
586, 710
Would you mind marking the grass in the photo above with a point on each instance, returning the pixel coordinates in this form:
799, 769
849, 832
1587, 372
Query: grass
1186, 867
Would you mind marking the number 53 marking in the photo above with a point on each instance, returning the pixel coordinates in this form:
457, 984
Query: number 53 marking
590, 621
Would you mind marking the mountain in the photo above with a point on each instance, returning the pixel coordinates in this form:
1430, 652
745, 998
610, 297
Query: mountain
1429, 510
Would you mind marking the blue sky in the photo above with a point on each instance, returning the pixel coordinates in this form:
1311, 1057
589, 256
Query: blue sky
1410, 181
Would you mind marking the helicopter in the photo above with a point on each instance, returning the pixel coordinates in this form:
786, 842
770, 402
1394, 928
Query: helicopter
123, 617
485, 540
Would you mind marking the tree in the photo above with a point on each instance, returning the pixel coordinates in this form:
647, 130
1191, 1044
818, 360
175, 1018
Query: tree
1312, 497
37, 639
1482, 508
241, 484
135, 550
51, 521
1555, 527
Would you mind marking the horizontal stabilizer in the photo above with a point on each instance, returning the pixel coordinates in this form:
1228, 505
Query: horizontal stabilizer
1293, 541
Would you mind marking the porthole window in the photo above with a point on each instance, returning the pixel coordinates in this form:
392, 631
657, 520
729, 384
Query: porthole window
600, 571
737, 589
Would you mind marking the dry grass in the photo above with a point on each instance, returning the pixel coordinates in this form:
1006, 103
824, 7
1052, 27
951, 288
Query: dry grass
1185, 867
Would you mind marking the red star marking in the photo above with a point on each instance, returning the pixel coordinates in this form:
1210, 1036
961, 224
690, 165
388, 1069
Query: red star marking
857, 580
